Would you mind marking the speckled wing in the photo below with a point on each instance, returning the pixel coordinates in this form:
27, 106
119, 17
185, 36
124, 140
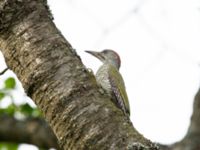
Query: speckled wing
118, 89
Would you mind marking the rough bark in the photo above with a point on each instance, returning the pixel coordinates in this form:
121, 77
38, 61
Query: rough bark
81, 115
30, 130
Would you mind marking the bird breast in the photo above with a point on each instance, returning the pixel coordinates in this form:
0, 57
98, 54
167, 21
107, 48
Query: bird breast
102, 77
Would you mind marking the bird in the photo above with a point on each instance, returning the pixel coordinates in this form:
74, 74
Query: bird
110, 79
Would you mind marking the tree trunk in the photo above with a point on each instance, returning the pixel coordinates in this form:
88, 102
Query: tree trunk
81, 115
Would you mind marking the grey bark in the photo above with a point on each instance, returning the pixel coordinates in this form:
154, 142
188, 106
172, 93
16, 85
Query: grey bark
81, 115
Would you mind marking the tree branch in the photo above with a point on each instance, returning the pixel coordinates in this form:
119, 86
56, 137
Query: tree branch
31, 130
192, 139
2, 72
81, 115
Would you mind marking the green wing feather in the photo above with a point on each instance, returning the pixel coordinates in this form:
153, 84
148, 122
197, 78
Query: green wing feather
119, 90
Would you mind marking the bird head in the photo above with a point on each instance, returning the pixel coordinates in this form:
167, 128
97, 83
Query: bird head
107, 56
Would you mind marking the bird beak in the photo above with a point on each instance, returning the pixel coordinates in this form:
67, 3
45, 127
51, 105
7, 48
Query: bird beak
96, 54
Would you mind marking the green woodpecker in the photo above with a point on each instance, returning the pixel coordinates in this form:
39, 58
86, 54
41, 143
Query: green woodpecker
109, 77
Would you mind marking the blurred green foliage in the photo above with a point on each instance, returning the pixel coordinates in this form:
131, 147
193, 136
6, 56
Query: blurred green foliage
27, 110
24, 109
10, 110
10, 83
2, 95
8, 146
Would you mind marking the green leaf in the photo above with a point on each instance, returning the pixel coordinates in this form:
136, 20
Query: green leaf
8, 146
10, 83
26, 109
10, 110
2, 95
36, 113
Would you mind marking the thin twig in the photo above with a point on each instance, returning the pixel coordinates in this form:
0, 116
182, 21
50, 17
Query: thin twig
2, 72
